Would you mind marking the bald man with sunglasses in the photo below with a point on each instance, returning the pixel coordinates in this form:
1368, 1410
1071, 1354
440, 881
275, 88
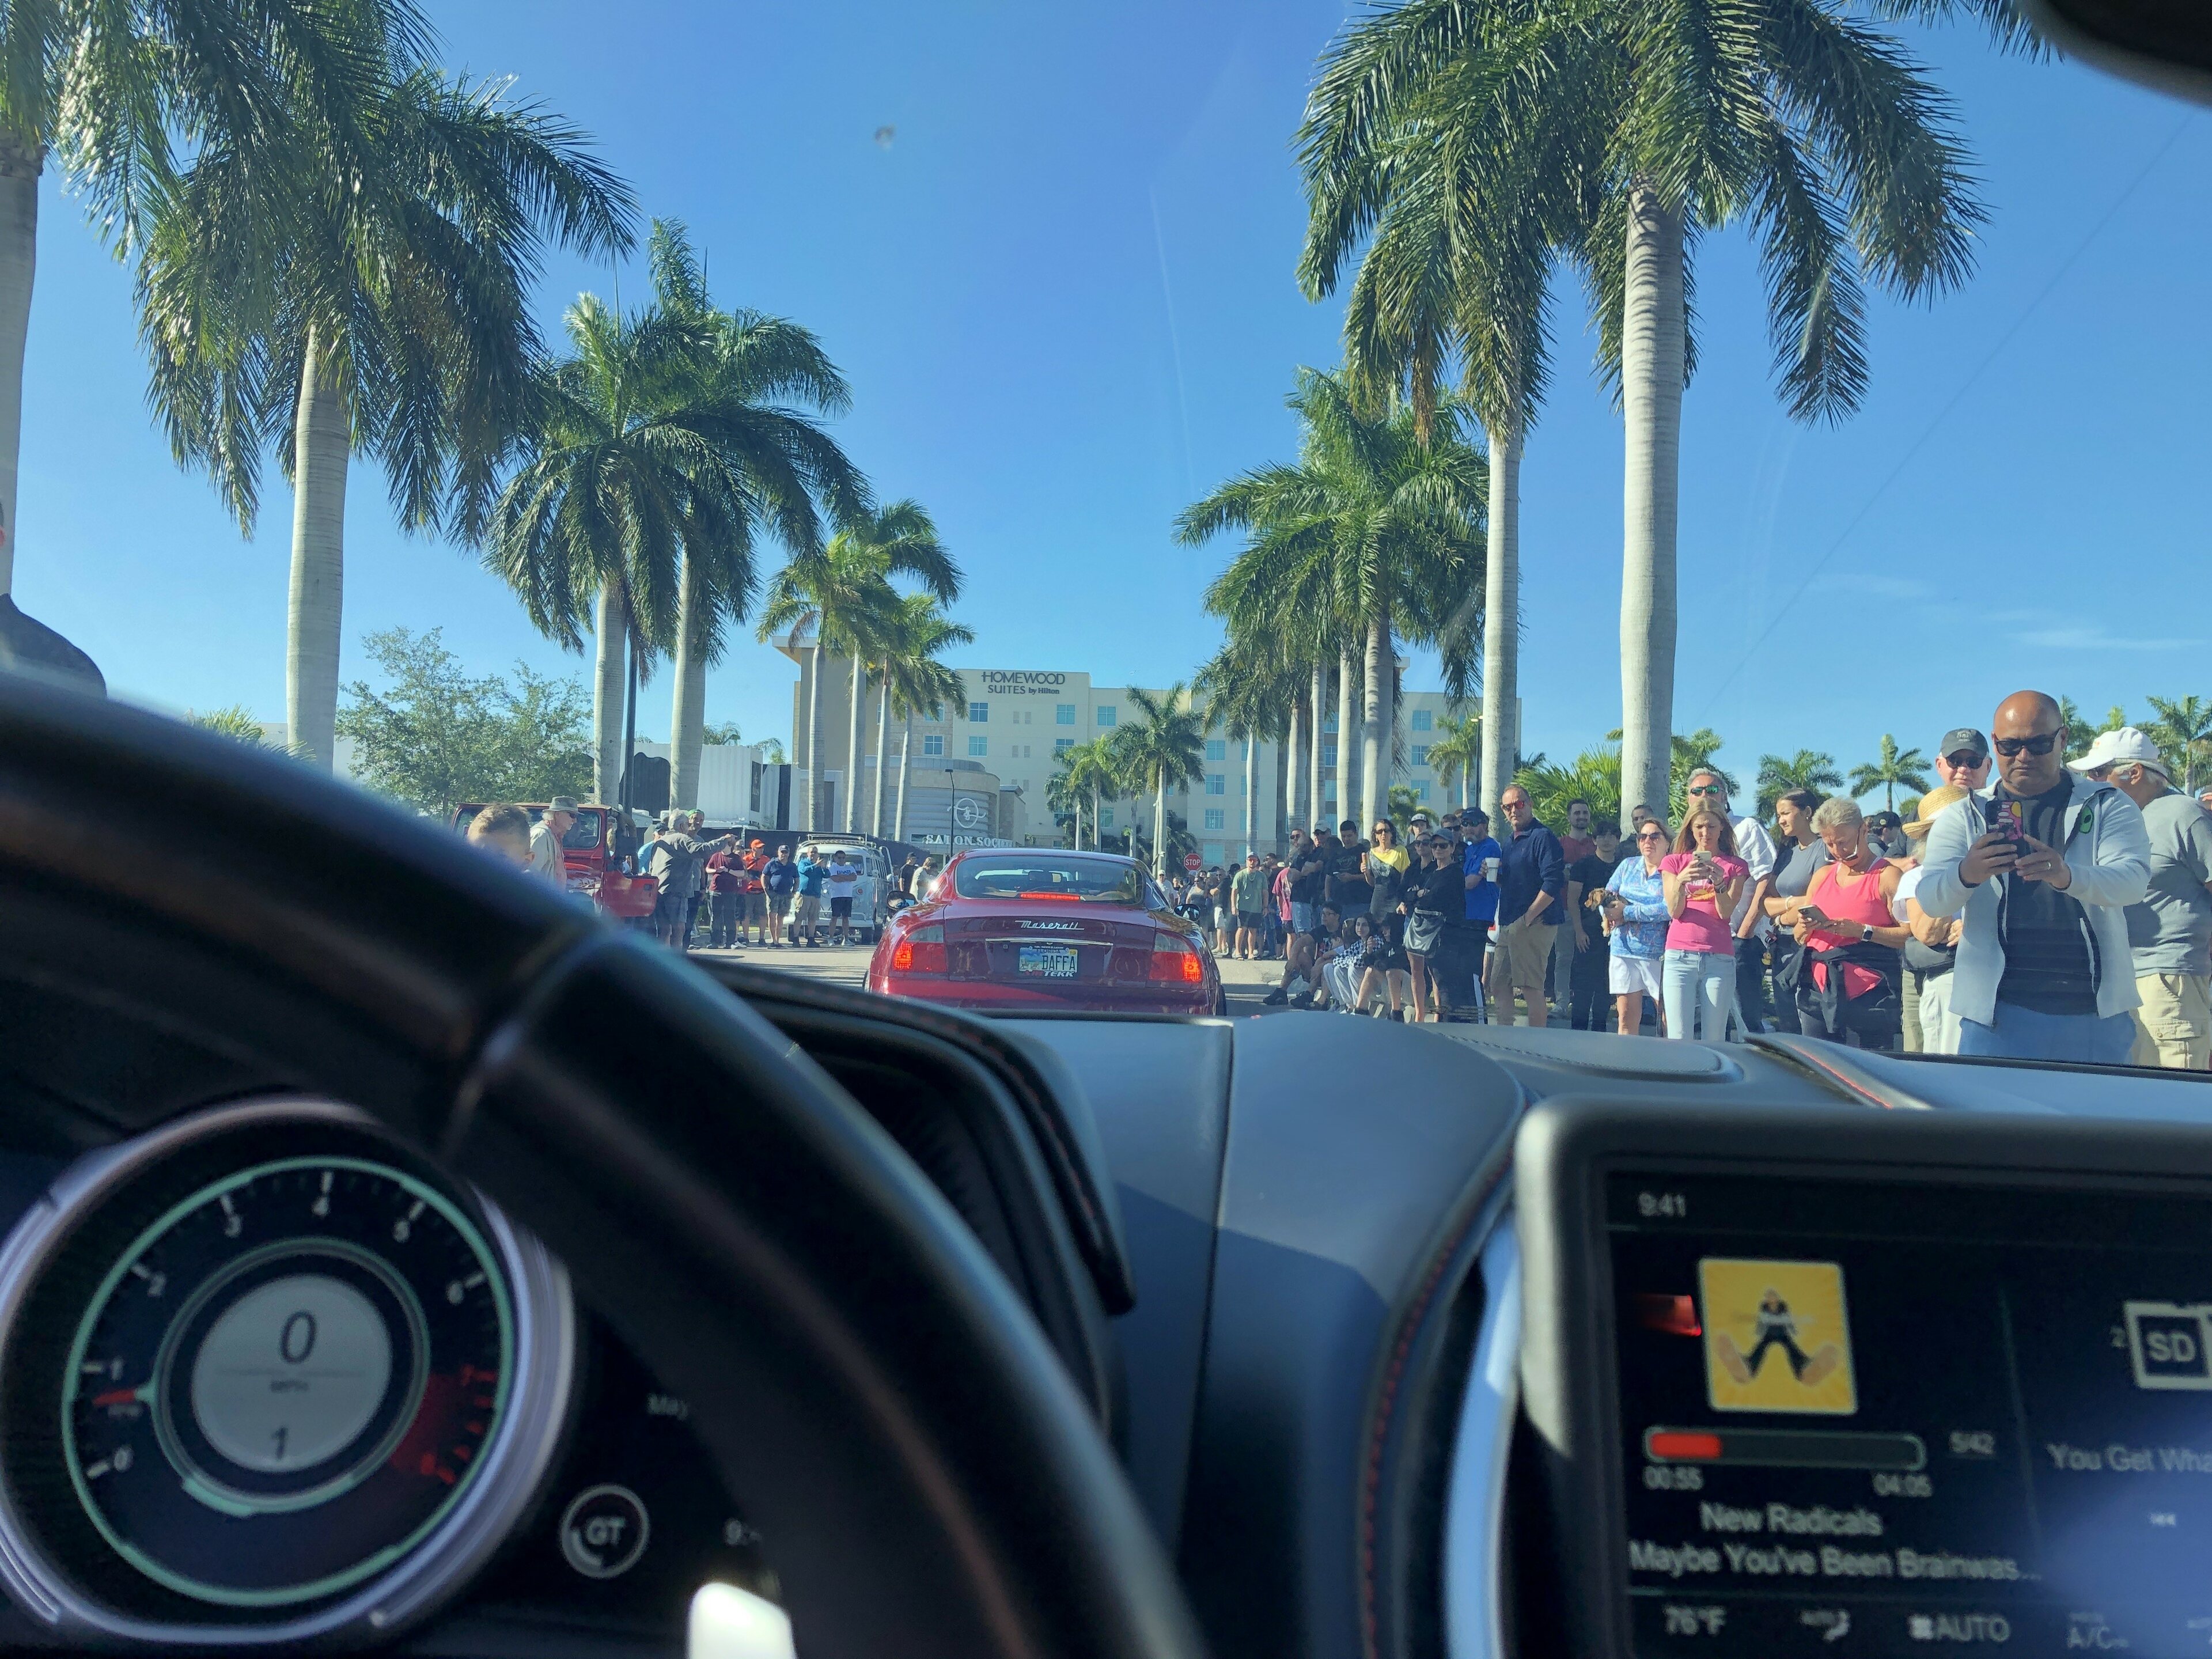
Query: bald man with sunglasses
2043, 872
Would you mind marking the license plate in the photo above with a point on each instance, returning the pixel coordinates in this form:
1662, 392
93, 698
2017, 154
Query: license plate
1052, 961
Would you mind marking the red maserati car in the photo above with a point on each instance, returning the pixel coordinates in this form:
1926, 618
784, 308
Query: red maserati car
1029, 928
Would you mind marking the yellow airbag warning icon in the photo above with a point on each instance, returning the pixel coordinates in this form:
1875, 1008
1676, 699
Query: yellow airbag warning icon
1777, 1338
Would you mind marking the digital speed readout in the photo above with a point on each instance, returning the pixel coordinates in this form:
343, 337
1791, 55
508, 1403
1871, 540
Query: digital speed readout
320, 1334
1902, 1419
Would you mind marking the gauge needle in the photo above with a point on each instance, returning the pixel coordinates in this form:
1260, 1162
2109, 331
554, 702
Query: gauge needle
124, 1396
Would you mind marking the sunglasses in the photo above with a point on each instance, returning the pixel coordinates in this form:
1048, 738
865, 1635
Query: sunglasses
1649, 835
1964, 757
2040, 745
1707, 789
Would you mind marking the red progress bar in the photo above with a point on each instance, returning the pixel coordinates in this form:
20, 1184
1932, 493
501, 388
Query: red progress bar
1679, 1446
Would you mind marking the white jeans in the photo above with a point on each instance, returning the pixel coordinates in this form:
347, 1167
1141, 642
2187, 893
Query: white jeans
1939, 1026
1694, 984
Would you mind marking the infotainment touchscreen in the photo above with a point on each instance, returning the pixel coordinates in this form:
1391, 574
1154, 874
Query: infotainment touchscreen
1883, 1417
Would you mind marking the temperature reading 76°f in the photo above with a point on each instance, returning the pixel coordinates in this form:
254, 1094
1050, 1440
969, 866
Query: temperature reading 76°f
1695, 1621
1673, 1206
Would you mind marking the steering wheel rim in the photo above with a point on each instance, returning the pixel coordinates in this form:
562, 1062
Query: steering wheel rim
870, 1388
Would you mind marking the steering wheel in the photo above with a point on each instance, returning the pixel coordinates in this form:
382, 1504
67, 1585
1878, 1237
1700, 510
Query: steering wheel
872, 1391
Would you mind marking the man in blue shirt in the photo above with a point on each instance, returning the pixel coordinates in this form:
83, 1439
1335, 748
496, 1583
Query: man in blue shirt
1457, 965
1532, 885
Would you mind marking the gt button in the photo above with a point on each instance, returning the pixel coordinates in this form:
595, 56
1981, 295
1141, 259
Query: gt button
604, 1531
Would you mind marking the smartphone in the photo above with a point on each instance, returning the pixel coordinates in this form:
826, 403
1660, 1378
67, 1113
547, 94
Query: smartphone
2009, 819
1814, 914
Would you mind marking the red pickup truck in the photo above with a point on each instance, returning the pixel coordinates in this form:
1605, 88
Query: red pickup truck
598, 850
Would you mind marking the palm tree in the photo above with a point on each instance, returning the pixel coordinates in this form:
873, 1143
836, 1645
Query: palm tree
1594, 776
1422, 140
2078, 734
2184, 731
1249, 686
649, 460
368, 295
1808, 768
915, 682
1456, 752
1088, 771
110, 89
769, 380
845, 592
1892, 767
1163, 747
1377, 528
1817, 129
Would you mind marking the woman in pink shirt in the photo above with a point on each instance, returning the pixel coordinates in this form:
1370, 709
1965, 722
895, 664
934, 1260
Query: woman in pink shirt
1703, 879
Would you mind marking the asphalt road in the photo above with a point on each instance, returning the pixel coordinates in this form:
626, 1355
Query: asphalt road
1246, 983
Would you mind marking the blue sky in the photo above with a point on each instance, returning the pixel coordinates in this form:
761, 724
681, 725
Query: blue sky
1063, 296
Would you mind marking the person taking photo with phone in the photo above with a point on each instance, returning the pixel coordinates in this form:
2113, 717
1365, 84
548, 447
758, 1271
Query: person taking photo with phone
1850, 981
2044, 872
1703, 878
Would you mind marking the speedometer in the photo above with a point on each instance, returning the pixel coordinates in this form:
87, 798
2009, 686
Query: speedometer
291, 1380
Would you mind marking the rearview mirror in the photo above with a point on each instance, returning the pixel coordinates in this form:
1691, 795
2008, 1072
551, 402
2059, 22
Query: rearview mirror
2165, 44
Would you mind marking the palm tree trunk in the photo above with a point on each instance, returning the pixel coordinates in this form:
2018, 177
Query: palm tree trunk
687, 718
607, 697
629, 717
1651, 366
1501, 621
852, 745
1283, 771
1097, 829
1289, 801
1375, 723
1346, 679
814, 738
322, 443
19, 167
1313, 762
1160, 826
906, 769
1251, 792
882, 753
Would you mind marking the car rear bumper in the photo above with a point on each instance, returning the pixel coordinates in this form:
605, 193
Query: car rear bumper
986, 995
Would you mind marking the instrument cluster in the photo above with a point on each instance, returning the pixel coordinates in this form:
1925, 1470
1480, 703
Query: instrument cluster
268, 1378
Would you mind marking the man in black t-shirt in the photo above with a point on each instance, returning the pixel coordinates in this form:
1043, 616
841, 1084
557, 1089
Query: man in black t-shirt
1587, 976
1348, 889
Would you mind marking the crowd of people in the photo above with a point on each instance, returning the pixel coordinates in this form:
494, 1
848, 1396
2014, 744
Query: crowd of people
726, 892
2031, 907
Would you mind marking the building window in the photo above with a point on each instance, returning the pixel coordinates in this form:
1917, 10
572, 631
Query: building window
1064, 714
978, 747
978, 713
1330, 724
1421, 722
1106, 714
1420, 792
1213, 853
933, 743
1420, 754
1216, 784
1213, 817
1060, 745
1216, 748
1106, 819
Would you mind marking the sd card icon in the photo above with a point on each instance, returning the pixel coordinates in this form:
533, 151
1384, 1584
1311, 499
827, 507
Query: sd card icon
2169, 1344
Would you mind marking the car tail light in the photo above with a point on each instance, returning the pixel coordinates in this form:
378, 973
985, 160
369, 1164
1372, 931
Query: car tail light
1175, 961
922, 951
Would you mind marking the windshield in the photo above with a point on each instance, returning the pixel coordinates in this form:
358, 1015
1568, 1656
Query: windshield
1095, 881
1360, 466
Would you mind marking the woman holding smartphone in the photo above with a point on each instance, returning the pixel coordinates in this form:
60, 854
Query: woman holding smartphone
1704, 878
1847, 925
1636, 917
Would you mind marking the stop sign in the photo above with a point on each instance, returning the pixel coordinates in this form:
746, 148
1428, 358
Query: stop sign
1191, 861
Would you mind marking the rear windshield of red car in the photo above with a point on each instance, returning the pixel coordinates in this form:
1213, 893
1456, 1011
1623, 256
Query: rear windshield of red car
1030, 875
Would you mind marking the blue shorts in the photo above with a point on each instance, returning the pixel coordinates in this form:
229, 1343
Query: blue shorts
1302, 917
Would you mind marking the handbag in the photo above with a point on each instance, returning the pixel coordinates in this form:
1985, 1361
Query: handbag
1423, 931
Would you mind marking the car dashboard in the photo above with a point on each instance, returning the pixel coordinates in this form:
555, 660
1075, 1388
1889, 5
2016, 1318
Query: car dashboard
1410, 1342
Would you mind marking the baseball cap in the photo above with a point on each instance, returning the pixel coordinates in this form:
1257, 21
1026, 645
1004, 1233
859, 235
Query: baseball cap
2125, 747
757, 842
1966, 738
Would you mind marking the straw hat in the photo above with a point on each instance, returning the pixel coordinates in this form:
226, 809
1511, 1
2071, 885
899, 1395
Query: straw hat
1931, 808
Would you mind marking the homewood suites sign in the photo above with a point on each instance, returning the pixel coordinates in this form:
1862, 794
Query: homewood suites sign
1004, 682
